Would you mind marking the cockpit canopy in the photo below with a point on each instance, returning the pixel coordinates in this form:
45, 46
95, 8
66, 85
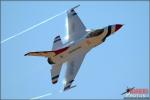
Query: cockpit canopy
95, 33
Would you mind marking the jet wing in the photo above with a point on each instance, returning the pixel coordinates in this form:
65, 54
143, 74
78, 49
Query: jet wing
40, 53
73, 67
75, 27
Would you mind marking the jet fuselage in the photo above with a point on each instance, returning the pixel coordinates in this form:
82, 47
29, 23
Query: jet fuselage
86, 43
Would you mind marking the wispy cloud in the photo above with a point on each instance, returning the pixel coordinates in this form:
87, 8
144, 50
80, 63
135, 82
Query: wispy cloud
41, 96
32, 27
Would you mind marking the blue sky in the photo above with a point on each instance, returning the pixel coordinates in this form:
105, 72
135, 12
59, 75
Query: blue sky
123, 60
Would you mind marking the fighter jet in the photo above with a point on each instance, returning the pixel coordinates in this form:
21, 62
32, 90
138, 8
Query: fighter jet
127, 90
80, 42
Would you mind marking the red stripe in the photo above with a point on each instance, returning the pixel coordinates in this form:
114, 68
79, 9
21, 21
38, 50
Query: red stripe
118, 26
61, 50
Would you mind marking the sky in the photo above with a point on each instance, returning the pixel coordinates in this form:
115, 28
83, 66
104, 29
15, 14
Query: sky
121, 61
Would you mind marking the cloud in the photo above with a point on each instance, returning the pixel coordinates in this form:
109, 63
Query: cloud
32, 27
41, 96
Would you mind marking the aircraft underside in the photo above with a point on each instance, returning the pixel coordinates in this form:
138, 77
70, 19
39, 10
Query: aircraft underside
74, 53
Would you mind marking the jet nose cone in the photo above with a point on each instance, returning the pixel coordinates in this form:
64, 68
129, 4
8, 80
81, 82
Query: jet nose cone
118, 26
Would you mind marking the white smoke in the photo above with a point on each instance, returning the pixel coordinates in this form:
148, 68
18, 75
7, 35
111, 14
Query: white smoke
32, 27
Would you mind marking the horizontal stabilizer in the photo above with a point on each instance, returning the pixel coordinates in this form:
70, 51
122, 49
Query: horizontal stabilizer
55, 71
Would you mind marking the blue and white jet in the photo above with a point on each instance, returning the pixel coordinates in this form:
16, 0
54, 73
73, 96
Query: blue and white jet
79, 43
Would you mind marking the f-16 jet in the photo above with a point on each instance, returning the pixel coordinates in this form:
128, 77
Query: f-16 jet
128, 90
80, 42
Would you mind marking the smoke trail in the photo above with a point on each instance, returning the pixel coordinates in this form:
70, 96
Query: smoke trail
38, 97
32, 27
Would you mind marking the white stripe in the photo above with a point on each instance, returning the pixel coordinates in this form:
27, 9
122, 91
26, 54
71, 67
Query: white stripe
41, 96
32, 27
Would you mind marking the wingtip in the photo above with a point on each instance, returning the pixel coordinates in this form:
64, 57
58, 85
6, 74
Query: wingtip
75, 7
26, 54
69, 87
